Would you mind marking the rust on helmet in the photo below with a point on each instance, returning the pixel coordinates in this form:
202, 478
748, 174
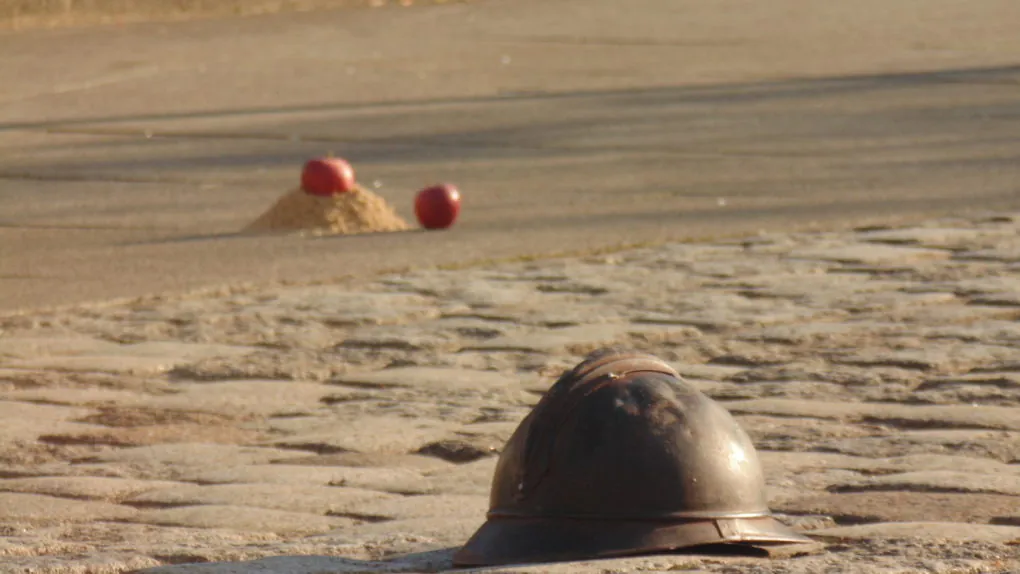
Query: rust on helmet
622, 456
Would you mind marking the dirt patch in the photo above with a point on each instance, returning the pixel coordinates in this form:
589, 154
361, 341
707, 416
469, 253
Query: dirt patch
158, 434
356, 211
143, 426
15, 455
139, 417
899, 506
26, 14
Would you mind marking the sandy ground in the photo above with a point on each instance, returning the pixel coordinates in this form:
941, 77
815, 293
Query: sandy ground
351, 424
131, 154
355, 427
33, 14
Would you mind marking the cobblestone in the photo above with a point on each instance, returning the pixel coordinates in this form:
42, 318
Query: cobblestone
354, 427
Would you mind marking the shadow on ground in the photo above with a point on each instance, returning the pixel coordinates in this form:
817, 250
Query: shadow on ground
953, 116
432, 561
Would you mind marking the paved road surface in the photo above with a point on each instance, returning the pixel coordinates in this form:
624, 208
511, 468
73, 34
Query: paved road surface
129, 155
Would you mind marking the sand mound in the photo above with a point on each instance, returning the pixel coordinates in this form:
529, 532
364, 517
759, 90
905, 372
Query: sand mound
357, 211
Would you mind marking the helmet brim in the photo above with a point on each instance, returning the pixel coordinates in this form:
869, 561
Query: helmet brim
505, 541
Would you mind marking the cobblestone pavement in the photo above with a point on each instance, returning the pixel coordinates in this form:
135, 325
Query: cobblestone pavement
354, 427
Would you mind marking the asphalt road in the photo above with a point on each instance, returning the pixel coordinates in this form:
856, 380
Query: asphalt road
130, 155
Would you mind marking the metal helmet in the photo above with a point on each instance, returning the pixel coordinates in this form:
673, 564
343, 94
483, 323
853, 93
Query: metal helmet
623, 457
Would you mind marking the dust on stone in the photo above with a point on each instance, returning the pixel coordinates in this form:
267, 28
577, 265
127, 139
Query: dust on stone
356, 211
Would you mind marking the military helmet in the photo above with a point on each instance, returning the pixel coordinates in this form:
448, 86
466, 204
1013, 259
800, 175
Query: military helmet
623, 457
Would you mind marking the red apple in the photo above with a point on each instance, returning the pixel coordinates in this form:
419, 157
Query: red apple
327, 176
437, 206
